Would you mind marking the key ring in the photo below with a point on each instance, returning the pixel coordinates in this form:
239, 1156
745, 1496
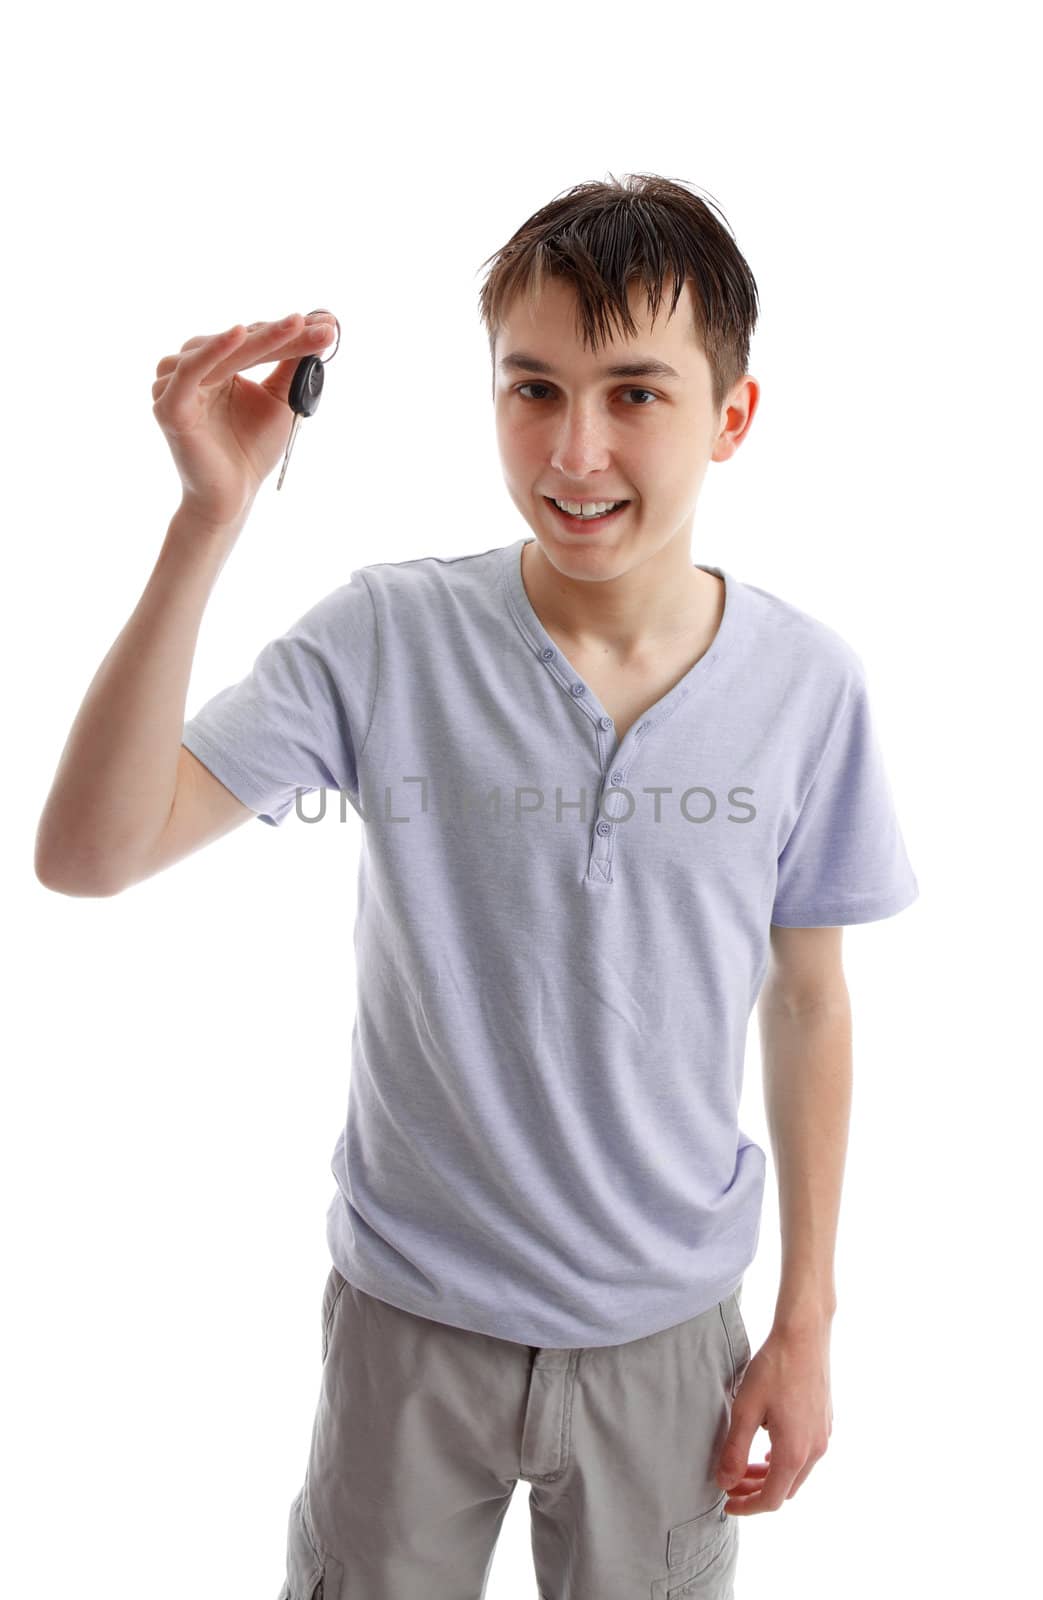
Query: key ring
336, 347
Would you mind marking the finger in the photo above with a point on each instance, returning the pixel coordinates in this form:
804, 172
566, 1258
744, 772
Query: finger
200, 339
215, 360
214, 363
168, 363
770, 1494
208, 338
308, 341
253, 344
743, 1508
266, 345
279, 382
251, 327
195, 363
751, 1482
321, 325
735, 1456
195, 360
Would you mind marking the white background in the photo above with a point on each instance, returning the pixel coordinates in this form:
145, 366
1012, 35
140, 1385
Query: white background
177, 1056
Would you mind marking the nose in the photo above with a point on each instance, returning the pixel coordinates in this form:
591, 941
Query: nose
581, 445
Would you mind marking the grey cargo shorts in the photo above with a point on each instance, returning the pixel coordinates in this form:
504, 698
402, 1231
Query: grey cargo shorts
423, 1430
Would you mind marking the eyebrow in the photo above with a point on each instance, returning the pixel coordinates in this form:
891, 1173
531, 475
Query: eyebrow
642, 367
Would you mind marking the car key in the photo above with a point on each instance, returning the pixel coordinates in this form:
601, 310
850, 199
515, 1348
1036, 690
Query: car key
305, 393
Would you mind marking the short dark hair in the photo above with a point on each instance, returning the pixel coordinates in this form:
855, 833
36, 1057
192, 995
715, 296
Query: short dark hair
603, 236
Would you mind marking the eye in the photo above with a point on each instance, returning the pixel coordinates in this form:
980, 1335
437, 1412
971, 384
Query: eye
530, 398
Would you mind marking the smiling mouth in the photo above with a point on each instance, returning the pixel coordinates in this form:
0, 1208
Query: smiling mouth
586, 522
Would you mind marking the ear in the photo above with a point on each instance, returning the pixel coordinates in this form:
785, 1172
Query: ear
737, 414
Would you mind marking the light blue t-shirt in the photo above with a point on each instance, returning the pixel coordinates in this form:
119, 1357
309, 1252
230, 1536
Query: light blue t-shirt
559, 942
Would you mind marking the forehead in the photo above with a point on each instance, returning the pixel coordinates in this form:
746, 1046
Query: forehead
539, 338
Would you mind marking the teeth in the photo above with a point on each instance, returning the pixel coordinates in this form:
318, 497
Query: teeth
588, 508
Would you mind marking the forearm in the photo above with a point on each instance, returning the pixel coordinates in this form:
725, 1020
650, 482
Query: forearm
807, 1063
116, 779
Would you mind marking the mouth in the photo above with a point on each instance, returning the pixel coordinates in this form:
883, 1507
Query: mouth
585, 524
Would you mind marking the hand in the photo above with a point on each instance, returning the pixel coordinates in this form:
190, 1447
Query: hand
226, 434
785, 1389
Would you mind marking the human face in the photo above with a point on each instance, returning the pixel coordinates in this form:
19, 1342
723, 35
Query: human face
577, 432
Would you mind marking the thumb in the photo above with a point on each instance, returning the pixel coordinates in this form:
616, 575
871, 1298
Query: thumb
280, 378
735, 1454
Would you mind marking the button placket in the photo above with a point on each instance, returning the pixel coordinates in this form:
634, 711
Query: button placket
602, 836
599, 856
622, 759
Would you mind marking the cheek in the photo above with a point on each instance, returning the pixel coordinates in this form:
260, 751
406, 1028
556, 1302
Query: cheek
522, 454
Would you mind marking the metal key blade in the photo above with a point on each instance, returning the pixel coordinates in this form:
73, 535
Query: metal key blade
289, 447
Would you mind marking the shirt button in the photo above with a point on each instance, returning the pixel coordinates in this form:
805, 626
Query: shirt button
578, 688
603, 828
617, 777
606, 722
546, 654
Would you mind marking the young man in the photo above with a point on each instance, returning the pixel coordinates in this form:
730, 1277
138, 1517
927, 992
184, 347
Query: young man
610, 798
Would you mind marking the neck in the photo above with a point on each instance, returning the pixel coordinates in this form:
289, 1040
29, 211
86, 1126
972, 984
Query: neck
662, 601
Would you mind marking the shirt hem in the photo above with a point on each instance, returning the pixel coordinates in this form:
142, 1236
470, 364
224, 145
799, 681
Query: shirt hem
840, 914
234, 778
533, 1337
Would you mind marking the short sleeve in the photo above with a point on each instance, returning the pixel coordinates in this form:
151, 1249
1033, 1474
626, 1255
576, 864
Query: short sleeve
845, 860
299, 718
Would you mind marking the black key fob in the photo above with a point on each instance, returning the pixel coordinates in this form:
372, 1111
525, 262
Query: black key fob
306, 386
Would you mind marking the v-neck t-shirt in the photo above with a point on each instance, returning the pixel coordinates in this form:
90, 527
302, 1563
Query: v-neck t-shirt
559, 940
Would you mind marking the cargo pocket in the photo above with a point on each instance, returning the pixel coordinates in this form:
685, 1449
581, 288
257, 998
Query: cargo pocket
738, 1340
697, 1554
310, 1574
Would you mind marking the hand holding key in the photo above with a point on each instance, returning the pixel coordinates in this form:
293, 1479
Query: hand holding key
225, 433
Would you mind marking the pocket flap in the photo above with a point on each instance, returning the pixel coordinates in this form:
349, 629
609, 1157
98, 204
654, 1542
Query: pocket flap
689, 1539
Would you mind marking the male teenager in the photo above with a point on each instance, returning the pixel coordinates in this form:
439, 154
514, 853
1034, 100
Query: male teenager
610, 798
